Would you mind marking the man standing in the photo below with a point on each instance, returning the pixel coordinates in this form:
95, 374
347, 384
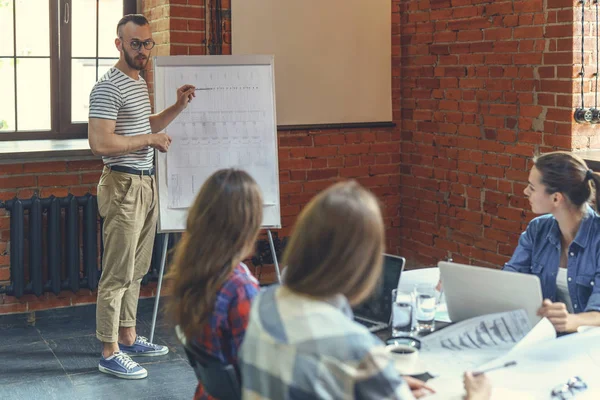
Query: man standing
122, 130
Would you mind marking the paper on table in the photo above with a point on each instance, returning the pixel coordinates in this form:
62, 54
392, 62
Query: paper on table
542, 331
453, 389
542, 364
473, 342
549, 363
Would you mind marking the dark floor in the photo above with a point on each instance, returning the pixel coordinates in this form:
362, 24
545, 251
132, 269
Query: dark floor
57, 358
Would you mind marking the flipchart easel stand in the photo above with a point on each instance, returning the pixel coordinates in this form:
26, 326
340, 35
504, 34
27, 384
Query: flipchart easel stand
161, 272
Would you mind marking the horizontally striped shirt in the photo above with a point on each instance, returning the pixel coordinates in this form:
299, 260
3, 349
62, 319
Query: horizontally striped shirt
116, 96
298, 347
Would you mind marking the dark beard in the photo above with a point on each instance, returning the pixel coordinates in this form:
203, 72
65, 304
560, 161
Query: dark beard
133, 63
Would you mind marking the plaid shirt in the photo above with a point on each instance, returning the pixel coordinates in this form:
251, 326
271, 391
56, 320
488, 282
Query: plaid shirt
223, 335
298, 347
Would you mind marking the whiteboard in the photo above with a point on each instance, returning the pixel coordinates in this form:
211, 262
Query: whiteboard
231, 123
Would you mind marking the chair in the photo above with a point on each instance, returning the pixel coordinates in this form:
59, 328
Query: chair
220, 380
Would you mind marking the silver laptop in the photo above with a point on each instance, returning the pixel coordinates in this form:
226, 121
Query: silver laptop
376, 311
473, 291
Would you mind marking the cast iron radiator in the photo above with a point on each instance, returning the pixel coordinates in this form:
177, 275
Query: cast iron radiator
63, 242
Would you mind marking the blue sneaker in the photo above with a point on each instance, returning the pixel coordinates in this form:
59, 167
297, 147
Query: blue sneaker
142, 347
122, 366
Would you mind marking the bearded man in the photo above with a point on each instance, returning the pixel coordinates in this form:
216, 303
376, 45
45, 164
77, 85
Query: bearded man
123, 131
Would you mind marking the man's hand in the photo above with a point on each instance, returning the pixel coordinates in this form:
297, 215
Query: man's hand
417, 387
556, 313
185, 94
160, 141
477, 387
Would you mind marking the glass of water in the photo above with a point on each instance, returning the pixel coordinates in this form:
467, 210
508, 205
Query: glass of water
426, 302
402, 313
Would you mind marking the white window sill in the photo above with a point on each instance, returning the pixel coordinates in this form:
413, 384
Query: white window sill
13, 152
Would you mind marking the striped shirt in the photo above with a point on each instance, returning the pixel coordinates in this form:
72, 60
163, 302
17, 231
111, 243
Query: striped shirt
298, 347
118, 97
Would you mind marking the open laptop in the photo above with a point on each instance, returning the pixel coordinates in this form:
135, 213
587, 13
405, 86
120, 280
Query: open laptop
375, 312
473, 291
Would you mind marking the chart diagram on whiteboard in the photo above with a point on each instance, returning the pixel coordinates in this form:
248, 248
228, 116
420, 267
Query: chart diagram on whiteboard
230, 123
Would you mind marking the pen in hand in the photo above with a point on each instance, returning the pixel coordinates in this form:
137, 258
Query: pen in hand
508, 364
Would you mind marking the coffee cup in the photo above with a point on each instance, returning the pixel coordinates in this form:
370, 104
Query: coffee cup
405, 357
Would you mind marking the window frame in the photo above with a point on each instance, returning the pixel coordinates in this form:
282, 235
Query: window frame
59, 39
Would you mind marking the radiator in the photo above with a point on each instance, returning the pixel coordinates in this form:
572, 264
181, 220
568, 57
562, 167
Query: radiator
63, 251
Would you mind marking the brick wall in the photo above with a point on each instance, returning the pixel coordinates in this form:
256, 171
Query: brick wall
485, 84
178, 27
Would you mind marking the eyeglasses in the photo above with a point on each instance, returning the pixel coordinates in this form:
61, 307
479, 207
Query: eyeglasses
567, 390
137, 44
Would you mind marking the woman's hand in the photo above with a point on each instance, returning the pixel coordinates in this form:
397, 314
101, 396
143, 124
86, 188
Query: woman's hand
418, 387
477, 387
557, 314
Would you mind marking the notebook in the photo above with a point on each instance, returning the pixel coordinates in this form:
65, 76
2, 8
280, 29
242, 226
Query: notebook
375, 312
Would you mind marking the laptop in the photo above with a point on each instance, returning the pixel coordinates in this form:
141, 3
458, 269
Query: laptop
473, 291
376, 311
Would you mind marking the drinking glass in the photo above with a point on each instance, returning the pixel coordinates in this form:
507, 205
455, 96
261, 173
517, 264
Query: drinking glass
402, 312
426, 302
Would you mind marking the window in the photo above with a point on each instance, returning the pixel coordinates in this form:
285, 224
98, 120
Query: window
51, 54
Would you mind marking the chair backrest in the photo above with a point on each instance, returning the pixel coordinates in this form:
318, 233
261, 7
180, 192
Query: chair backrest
219, 380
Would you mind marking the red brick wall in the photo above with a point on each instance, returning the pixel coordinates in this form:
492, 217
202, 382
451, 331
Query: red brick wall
178, 27
485, 83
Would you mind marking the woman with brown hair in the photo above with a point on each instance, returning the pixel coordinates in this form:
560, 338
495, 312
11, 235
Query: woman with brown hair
211, 287
562, 247
302, 341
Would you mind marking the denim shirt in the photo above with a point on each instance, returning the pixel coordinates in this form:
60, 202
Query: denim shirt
539, 252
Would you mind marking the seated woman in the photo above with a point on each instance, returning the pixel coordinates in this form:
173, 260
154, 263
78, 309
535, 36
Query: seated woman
302, 341
211, 287
562, 247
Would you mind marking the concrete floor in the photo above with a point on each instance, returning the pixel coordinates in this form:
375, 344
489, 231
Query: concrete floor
57, 358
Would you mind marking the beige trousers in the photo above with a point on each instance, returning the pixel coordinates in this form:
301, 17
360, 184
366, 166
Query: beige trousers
128, 204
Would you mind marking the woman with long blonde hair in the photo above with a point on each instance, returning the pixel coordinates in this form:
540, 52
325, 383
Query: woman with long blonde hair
302, 341
211, 287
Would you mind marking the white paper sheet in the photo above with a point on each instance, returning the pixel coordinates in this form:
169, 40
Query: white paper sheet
541, 332
542, 363
468, 344
230, 123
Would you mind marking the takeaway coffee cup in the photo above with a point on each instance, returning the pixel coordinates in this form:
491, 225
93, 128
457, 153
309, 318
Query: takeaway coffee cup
405, 358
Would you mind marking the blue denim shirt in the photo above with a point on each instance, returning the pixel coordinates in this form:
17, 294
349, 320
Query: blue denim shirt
539, 252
